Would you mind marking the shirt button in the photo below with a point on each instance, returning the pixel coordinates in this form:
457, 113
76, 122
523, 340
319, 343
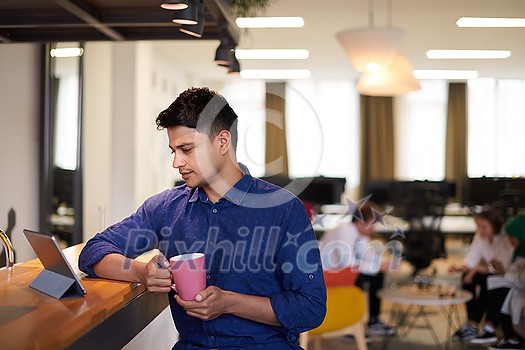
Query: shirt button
310, 276
208, 276
211, 243
214, 211
212, 337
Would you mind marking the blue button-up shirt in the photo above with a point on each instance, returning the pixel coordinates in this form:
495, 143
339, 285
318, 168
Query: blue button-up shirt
257, 240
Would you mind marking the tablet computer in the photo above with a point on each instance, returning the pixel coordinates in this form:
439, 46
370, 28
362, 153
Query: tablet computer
58, 278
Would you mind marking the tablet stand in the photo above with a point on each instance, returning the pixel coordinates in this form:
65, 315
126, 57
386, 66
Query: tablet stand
56, 285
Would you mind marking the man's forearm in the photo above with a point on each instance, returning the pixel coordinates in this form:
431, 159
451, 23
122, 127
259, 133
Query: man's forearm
251, 307
118, 267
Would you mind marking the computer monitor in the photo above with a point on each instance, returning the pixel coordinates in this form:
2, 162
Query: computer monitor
487, 190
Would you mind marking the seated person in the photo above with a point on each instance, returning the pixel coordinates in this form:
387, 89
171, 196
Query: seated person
264, 277
349, 245
513, 310
498, 290
490, 253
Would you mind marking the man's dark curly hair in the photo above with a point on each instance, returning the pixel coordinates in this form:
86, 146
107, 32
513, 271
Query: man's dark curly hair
202, 109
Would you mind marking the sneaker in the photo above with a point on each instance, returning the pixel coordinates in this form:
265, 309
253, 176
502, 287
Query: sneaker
351, 337
465, 333
379, 328
506, 344
485, 337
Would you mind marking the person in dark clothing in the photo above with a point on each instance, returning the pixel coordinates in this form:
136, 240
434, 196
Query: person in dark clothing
490, 253
350, 245
516, 231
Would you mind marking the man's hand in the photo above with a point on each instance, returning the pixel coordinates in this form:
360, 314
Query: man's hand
156, 276
208, 304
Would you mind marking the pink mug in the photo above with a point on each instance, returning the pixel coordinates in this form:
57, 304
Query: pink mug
189, 274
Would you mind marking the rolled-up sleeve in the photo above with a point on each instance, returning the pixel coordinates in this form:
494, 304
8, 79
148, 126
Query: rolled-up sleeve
301, 305
131, 237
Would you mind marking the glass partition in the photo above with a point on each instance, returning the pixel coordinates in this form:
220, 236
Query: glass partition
61, 126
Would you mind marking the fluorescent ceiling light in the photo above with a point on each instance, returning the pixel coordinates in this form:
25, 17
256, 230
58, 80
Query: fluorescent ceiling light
279, 74
490, 22
66, 52
446, 74
270, 22
467, 54
272, 54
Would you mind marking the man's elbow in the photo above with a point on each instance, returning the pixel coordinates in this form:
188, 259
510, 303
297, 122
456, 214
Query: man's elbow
318, 316
84, 264
316, 313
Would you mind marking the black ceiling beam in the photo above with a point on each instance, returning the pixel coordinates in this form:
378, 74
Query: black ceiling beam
25, 18
137, 15
42, 36
76, 34
144, 17
89, 15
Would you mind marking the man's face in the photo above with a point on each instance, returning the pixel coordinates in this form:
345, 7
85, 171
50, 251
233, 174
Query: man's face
195, 156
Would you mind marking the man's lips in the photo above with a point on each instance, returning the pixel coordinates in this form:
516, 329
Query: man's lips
185, 174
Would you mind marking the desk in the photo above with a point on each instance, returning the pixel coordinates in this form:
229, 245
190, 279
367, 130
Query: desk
404, 299
450, 224
107, 317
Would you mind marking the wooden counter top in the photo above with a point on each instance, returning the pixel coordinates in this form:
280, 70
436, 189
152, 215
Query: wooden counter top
30, 319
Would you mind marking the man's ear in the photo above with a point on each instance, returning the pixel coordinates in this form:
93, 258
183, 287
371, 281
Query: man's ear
224, 138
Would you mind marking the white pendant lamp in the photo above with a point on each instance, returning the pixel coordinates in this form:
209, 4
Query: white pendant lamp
371, 48
396, 79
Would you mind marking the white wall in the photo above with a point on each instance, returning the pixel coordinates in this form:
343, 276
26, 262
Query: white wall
126, 159
97, 136
19, 135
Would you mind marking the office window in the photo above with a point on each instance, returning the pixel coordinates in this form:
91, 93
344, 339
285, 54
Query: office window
322, 129
496, 128
248, 100
420, 132
67, 113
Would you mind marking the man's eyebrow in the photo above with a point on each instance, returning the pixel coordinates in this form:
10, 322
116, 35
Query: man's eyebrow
182, 145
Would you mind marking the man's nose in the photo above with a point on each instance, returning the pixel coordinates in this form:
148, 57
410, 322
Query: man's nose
178, 161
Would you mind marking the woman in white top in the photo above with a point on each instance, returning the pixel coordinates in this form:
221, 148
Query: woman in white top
490, 253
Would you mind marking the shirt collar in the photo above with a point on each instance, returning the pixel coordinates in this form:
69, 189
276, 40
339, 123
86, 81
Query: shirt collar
198, 193
238, 192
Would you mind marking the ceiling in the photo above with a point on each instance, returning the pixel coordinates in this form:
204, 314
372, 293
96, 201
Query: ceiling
429, 24
95, 20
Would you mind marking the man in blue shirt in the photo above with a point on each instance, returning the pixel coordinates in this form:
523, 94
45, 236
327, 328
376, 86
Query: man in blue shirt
264, 276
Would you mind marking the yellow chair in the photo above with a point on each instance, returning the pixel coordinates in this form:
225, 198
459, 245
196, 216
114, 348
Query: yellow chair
345, 314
